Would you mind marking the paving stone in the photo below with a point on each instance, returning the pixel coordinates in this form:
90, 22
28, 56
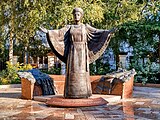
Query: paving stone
115, 108
92, 112
90, 117
141, 107
139, 103
102, 118
80, 117
156, 102
79, 111
156, 112
144, 109
68, 116
99, 115
8, 113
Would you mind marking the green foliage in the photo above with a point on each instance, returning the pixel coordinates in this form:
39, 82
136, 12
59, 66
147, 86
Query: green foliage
60, 13
137, 21
143, 36
146, 72
99, 68
10, 76
118, 12
21, 19
54, 70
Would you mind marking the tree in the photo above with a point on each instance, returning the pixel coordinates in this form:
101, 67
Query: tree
20, 21
22, 18
143, 35
137, 20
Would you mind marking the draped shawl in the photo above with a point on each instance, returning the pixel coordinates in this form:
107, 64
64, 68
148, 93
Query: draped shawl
97, 41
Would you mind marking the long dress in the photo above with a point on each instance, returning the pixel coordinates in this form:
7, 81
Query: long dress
78, 46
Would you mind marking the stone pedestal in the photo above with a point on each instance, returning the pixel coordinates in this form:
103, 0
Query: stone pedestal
122, 60
121, 88
27, 89
59, 81
62, 102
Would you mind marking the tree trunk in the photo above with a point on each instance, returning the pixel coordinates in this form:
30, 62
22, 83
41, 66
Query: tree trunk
25, 56
11, 41
11, 25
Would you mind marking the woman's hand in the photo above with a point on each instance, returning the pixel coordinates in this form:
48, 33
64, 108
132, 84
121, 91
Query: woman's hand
43, 29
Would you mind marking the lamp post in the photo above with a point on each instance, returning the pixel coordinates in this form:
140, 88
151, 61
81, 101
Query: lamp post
122, 60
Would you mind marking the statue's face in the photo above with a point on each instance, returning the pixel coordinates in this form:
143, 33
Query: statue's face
77, 16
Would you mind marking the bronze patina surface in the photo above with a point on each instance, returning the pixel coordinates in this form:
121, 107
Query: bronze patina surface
78, 45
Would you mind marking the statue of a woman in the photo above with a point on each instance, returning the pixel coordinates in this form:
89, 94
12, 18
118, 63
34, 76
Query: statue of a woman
78, 45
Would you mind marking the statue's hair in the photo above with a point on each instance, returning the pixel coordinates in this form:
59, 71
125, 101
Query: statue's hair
77, 9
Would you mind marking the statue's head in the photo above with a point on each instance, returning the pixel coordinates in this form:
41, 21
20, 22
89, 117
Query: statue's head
77, 14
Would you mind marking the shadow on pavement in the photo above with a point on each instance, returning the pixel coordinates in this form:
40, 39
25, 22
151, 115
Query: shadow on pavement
10, 95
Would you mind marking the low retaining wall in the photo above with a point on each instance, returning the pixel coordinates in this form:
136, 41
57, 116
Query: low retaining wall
123, 89
147, 85
10, 86
59, 81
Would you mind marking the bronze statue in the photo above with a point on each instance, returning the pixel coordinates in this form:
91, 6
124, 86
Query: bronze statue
78, 45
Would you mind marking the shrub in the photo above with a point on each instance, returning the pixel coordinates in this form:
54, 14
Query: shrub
146, 72
99, 68
9, 75
53, 70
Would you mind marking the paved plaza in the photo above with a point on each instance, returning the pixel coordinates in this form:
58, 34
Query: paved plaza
145, 105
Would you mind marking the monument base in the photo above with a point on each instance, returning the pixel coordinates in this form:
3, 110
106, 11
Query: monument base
60, 101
